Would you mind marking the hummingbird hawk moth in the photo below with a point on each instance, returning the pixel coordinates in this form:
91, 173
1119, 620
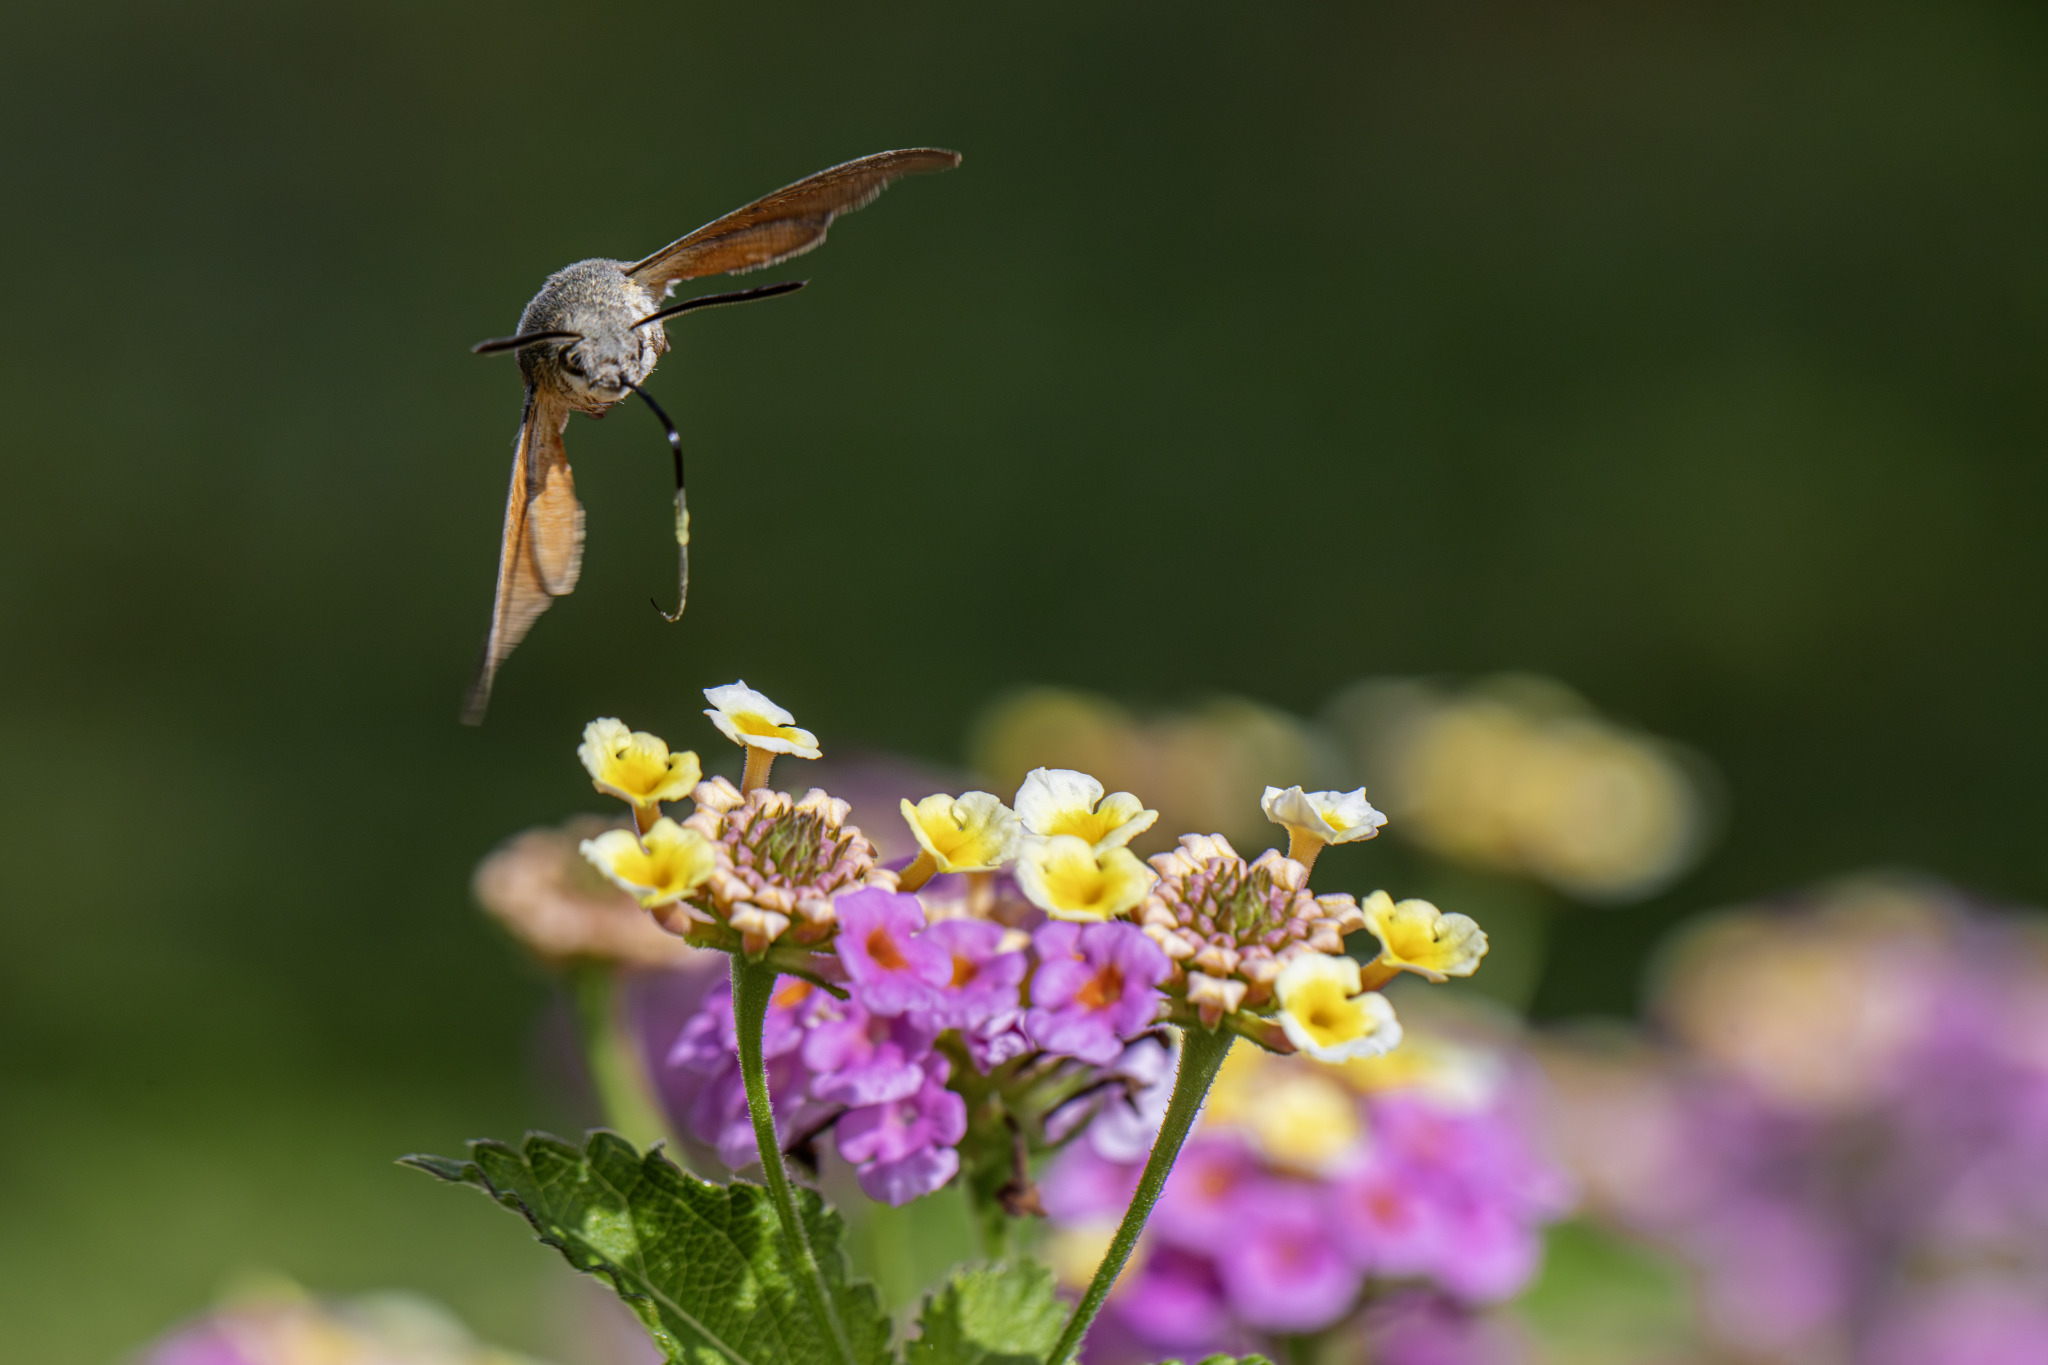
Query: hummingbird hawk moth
591, 337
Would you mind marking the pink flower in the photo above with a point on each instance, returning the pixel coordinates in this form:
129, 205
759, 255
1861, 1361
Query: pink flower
1201, 1206
996, 1041
1174, 1301
981, 981
718, 1113
1487, 1253
1096, 986
860, 1058
710, 1038
904, 1148
1282, 1271
1082, 1187
1389, 1219
892, 966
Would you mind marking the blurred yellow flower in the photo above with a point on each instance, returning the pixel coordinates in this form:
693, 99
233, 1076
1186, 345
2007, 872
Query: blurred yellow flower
1520, 774
635, 766
1300, 1118
748, 718
1415, 936
1326, 1016
1064, 877
661, 867
1074, 1251
1061, 801
971, 833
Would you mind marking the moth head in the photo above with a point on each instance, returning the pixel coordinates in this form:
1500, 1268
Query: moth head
601, 366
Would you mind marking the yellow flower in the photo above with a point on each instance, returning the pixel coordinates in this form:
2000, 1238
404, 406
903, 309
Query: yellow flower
1328, 817
1056, 801
751, 720
1416, 936
971, 833
1301, 1116
1064, 877
660, 867
1324, 1014
635, 766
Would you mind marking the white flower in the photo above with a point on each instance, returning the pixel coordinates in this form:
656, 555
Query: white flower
748, 718
1056, 801
1326, 1017
1331, 817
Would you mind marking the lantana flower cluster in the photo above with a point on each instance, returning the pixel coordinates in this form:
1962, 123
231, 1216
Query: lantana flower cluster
1306, 1184
936, 1011
1840, 1124
1011, 979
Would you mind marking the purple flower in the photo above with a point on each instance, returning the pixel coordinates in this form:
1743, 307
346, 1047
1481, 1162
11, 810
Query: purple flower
1127, 1125
1174, 1301
1096, 986
893, 967
1124, 1105
1282, 1271
981, 980
898, 1182
1487, 1254
860, 1058
904, 1148
719, 1115
1776, 1275
1203, 1205
1419, 1328
710, 1037
1082, 1187
206, 1344
996, 1041
1982, 1322
1388, 1219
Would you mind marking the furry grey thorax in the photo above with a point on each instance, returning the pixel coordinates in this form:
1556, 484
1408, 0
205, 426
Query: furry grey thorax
595, 299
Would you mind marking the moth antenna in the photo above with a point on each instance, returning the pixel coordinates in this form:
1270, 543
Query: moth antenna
675, 445
497, 344
759, 291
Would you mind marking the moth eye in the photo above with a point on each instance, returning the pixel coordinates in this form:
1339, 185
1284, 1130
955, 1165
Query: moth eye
569, 361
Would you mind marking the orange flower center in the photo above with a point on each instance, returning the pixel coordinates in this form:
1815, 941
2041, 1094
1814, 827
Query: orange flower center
882, 948
1104, 989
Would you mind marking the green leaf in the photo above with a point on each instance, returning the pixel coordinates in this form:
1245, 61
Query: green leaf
1221, 1359
704, 1265
994, 1315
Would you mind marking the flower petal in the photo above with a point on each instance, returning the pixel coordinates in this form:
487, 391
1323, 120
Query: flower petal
1063, 876
1324, 1015
1416, 936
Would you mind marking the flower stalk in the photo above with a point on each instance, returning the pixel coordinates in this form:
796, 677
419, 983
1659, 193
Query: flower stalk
616, 1072
1201, 1054
753, 987
919, 872
1303, 847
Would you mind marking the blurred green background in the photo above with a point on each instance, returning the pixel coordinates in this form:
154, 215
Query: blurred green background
1687, 353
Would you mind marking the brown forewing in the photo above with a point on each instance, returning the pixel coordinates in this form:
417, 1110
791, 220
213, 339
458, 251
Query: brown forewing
541, 551
786, 223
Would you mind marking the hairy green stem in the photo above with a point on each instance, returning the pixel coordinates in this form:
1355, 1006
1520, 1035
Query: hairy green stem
616, 1071
753, 986
1201, 1053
